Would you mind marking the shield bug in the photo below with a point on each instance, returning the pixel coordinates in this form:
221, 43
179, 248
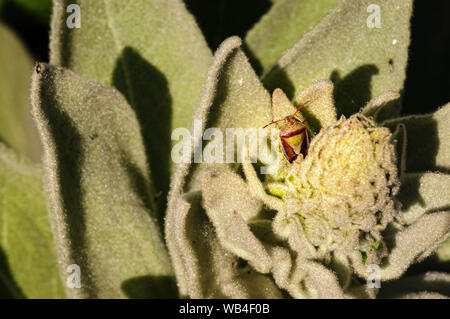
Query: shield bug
293, 136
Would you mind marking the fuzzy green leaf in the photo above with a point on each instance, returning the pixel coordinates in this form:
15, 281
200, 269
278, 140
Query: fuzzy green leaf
319, 107
423, 192
423, 295
363, 62
99, 188
297, 239
341, 265
176, 204
282, 266
310, 279
428, 136
204, 268
231, 76
282, 26
321, 281
431, 282
443, 252
412, 244
16, 124
400, 139
174, 228
28, 263
233, 98
151, 51
225, 191
305, 279
229, 205
238, 98
384, 106
282, 106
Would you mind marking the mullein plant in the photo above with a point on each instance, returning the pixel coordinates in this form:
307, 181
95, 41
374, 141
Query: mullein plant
346, 220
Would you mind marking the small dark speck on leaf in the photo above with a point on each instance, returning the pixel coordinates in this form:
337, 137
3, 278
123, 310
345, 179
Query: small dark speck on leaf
391, 65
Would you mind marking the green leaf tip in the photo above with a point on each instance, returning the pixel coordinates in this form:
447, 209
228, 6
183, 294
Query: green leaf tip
319, 109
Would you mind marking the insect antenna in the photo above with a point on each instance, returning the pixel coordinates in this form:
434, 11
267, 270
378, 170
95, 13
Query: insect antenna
273, 122
301, 107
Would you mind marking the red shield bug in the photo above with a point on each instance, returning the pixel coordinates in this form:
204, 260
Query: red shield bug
293, 136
